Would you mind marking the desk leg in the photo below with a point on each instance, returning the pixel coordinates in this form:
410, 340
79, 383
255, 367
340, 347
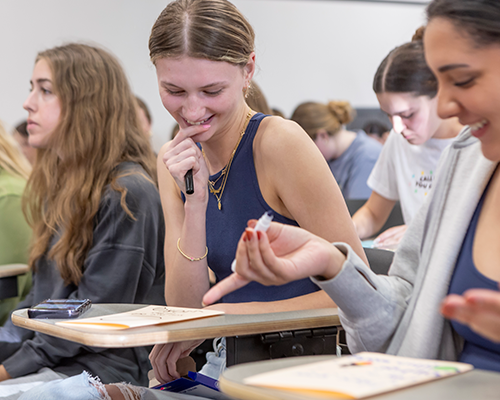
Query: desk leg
306, 342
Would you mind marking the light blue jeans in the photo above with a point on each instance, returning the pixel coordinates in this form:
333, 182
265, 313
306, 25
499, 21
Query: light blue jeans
85, 387
12, 389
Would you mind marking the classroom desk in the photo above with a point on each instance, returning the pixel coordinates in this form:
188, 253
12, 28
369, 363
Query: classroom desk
476, 384
206, 328
8, 279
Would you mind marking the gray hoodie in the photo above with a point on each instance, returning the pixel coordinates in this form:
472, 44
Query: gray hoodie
399, 314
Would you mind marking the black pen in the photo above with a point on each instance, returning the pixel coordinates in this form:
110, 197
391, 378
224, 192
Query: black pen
188, 180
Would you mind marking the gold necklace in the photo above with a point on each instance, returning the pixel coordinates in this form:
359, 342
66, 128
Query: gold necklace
225, 171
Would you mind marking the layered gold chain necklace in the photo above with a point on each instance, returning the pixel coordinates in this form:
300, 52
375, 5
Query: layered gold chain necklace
225, 171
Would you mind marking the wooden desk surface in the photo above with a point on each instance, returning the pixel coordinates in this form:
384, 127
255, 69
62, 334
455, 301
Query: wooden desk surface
206, 328
8, 270
477, 384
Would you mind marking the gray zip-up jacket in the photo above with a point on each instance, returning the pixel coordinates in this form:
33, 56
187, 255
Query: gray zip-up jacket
399, 314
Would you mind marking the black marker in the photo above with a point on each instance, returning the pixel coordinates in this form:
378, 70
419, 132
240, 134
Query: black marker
188, 181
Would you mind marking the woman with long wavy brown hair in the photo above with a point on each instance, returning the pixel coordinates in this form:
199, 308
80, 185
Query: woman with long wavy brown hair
94, 208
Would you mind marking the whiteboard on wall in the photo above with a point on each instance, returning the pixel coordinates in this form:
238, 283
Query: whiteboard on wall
306, 49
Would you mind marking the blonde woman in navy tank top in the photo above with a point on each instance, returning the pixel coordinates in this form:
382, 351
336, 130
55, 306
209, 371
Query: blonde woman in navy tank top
242, 164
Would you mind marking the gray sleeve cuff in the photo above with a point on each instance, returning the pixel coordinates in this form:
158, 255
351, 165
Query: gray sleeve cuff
367, 308
354, 286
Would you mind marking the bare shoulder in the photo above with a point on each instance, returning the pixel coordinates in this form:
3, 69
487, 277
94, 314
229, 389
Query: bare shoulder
278, 136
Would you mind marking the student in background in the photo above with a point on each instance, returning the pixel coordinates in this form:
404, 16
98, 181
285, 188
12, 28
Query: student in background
21, 136
95, 211
448, 263
406, 169
15, 233
350, 155
377, 131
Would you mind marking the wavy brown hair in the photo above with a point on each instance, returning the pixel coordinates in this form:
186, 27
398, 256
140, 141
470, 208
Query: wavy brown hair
98, 129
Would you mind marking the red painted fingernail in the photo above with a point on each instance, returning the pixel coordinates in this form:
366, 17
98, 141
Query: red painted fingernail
259, 235
249, 234
245, 236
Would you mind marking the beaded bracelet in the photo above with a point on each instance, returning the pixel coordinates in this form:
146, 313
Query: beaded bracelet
188, 257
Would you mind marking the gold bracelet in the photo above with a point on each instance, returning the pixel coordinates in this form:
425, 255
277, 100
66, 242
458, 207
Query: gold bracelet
188, 257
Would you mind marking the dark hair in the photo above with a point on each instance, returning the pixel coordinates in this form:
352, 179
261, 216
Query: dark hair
479, 18
376, 128
404, 70
214, 30
21, 128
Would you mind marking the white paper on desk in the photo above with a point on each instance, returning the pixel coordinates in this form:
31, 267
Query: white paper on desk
357, 376
146, 316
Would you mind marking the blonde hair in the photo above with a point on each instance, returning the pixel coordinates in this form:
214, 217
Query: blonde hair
11, 158
330, 117
98, 129
214, 30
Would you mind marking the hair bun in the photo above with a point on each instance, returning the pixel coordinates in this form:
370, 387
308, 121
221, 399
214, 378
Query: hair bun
418, 35
342, 110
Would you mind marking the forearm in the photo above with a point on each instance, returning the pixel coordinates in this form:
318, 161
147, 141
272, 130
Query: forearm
365, 223
187, 281
309, 301
370, 218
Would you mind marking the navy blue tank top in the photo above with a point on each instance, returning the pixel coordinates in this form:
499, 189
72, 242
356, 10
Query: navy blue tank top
478, 351
242, 200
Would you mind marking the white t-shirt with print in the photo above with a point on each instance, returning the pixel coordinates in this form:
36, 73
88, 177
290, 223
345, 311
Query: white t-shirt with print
405, 172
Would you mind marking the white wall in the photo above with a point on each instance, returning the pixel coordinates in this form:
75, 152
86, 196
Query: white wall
306, 49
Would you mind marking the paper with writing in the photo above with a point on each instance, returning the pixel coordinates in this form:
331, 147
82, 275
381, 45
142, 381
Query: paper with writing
357, 376
146, 316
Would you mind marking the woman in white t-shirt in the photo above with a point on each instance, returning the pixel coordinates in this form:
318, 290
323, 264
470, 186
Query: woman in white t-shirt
406, 90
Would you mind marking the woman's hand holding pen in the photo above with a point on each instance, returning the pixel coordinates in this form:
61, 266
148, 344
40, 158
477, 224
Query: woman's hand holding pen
282, 254
183, 155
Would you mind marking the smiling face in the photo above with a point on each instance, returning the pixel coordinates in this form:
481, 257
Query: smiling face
44, 109
415, 117
469, 81
198, 91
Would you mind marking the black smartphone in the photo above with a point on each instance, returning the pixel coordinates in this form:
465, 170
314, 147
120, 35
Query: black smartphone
64, 308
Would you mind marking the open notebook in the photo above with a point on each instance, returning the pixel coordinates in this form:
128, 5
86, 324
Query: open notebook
146, 316
357, 376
